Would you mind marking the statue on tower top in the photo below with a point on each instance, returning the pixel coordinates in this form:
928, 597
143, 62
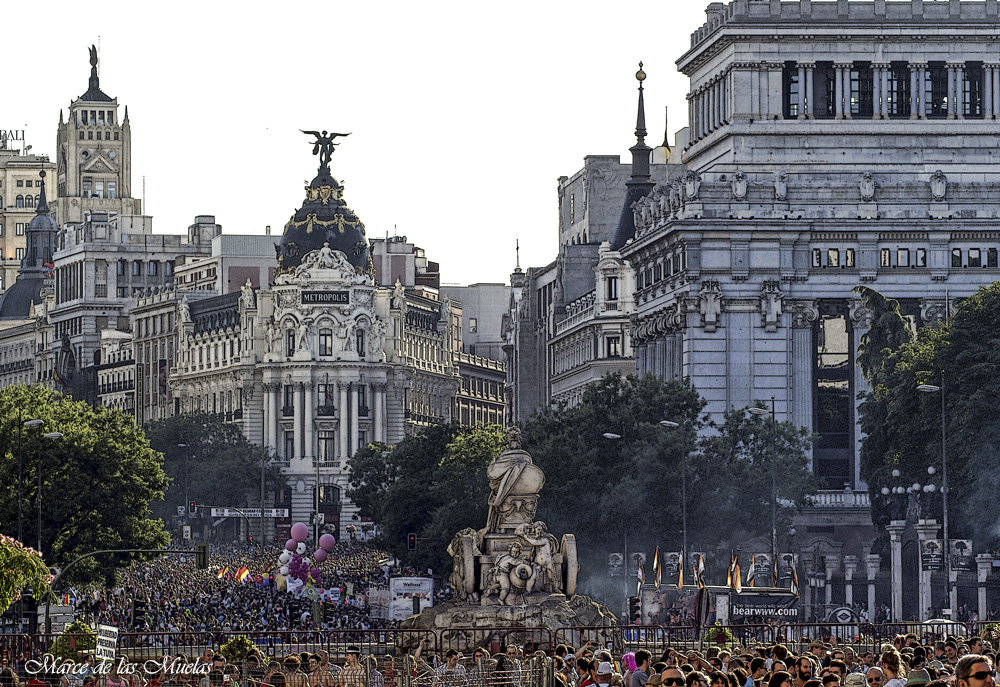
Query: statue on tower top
323, 146
93, 56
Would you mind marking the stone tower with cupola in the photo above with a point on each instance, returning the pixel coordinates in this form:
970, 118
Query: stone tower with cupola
94, 156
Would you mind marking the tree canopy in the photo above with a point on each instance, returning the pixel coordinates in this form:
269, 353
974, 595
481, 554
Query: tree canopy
97, 481
431, 484
22, 567
604, 490
903, 426
216, 463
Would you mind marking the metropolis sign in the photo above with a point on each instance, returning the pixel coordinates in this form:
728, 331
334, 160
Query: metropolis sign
326, 298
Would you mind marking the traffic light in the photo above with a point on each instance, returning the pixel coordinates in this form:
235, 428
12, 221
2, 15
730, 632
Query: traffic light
275, 540
634, 611
250, 539
192, 508
201, 556
411, 541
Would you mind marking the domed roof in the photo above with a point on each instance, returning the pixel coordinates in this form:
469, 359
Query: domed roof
324, 218
15, 303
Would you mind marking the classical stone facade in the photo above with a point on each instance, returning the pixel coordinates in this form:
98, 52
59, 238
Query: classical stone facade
19, 193
832, 144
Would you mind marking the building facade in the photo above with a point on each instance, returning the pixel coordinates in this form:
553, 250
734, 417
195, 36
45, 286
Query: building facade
19, 194
831, 144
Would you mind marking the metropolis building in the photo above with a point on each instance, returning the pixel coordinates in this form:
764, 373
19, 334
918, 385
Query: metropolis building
831, 144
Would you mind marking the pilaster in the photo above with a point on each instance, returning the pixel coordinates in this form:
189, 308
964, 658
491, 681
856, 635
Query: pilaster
895, 529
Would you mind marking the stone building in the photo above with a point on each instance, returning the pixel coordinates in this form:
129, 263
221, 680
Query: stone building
19, 193
831, 144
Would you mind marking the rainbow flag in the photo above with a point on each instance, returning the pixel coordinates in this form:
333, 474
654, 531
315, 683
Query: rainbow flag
222, 571
242, 574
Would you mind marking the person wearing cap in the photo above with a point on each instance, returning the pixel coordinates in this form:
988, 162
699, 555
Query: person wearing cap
353, 674
451, 673
604, 672
819, 650
917, 677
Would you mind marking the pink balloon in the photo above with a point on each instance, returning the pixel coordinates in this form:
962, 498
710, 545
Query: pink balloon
290, 544
320, 555
326, 542
300, 532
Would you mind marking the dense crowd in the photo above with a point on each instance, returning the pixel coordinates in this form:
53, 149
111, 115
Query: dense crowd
908, 661
181, 599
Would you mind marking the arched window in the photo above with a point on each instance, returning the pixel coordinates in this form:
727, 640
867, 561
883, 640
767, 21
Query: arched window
38, 199
20, 201
29, 201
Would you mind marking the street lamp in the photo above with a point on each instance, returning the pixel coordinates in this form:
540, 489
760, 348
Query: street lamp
615, 437
932, 389
186, 454
774, 483
38, 470
684, 516
30, 424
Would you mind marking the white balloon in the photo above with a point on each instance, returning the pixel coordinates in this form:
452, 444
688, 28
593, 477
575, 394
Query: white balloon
300, 548
306, 562
283, 570
285, 557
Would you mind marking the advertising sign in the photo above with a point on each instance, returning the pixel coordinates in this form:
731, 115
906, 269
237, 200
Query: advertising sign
616, 564
402, 591
749, 605
932, 554
961, 555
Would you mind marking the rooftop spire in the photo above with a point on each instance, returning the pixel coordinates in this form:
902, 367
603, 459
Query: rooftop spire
640, 183
42, 207
95, 81
666, 128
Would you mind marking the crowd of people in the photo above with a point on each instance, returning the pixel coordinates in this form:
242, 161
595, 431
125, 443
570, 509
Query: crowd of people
177, 598
909, 661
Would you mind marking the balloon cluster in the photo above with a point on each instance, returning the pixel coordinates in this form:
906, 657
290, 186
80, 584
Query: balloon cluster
294, 564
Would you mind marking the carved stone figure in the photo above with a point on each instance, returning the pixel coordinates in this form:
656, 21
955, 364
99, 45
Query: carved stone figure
398, 296
692, 184
183, 311
269, 335
303, 336
247, 295
536, 536
514, 485
710, 296
866, 184
939, 185
514, 437
781, 186
739, 185
514, 571
376, 340
770, 305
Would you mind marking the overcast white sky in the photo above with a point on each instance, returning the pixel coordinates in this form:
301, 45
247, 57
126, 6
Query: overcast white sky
463, 114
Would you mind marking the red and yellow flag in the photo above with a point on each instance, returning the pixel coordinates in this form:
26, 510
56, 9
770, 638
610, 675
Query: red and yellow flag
242, 574
222, 571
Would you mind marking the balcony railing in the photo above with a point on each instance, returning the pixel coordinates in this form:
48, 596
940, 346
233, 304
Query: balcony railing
288, 411
841, 499
324, 411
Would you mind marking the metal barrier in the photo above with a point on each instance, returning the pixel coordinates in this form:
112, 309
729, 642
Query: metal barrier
14, 648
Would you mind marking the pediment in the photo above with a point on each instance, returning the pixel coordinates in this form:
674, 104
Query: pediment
99, 163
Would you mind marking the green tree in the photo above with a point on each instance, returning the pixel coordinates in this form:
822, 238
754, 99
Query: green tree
210, 462
962, 356
604, 490
431, 484
97, 481
22, 567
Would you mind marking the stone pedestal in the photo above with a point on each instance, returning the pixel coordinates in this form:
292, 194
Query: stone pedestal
873, 562
832, 566
984, 563
895, 529
926, 529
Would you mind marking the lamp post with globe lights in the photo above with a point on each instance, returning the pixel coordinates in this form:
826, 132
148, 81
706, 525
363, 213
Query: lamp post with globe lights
774, 482
952, 590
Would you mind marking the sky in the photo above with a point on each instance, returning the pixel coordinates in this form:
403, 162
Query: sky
462, 115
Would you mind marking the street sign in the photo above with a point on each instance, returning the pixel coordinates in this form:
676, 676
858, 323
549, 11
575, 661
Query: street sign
249, 512
107, 642
182, 510
186, 533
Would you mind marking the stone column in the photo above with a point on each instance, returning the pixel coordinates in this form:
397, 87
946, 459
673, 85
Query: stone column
832, 563
846, 68
353, 403
895, 529
876, 90
919, 110
926, 529
378, 401
309, 442
914, 90
802, 91
838, 88
343, 417
996, 90
804, 313
960, 90
984, 563
886, 71
850, 565
716, 104
810, 93
987, 91
872, 564
951, 91
299, 413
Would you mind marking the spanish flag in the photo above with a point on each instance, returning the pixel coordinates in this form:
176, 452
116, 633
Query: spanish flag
735, 574
794, 585
222, 571
699, 572
242, 574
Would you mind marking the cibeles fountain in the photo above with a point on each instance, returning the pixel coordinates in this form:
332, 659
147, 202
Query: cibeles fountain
513, 572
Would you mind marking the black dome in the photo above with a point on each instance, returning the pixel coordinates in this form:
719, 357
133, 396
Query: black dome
16, 301
324, 218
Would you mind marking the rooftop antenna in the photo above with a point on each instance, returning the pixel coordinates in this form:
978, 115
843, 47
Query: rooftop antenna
517, 253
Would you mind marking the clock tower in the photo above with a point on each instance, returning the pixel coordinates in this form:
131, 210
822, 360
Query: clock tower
94, 157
